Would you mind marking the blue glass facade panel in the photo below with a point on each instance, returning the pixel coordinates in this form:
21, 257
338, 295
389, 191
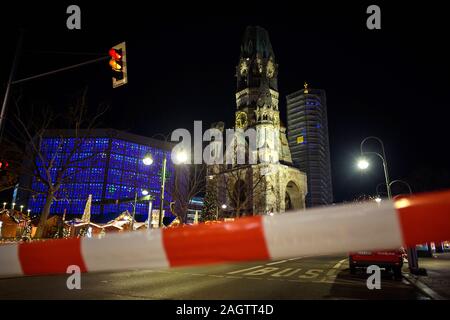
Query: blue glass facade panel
107, 168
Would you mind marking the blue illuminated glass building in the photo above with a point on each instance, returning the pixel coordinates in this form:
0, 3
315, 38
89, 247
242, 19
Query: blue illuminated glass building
110, 168
309, 143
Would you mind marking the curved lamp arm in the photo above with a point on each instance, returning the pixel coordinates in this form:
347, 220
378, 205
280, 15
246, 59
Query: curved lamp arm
375, 153
404, 182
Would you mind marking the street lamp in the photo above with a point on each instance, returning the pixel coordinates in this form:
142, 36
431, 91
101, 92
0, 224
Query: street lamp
412, 253
148, 159
144, 193
364, 164
224, 206
21, 208
29, 210
13, 205
179, 158
4, 205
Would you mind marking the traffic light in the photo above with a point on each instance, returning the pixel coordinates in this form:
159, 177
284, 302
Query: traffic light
4, 172
4, 165
118, 64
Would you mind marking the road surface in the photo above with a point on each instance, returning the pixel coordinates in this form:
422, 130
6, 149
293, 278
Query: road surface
297, 278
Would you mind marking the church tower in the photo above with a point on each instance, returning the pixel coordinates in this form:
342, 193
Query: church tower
270, 184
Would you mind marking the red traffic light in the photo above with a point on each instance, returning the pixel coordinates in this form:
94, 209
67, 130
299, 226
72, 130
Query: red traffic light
113, 53
118, 64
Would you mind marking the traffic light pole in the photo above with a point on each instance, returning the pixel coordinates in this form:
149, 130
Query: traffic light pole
161, 195
10, 82
60, 70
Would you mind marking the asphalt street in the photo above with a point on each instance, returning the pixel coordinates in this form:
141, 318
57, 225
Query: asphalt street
296, 278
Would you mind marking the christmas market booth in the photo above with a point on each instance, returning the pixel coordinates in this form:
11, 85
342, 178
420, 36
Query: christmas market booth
13, 223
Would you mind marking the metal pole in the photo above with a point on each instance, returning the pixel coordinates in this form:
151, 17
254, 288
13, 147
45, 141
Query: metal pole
386, 172
134, 211
10, 81
60, 70
413, 259
161, 196
412, 252
150, 205
386, 175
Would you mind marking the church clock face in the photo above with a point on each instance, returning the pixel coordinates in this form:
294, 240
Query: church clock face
241, 120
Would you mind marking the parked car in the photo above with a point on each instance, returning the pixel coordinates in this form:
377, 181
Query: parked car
390, 260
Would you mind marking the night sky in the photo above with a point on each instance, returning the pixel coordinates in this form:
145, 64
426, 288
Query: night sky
392, 83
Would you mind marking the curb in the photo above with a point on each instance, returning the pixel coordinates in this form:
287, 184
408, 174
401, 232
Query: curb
422, 287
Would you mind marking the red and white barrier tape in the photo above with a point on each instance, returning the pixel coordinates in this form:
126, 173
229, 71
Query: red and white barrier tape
336, 229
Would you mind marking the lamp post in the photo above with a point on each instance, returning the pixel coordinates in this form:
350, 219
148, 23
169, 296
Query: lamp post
181, 157
4, 205
413, 259
13, 205
364, 164
144, 193
21, 207
149, 215
161, 194
148, 161
223, 207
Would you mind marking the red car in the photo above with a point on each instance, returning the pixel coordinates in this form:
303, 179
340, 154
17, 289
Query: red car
387, 259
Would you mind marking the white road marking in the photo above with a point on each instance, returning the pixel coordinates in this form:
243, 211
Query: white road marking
311, 274
262, 271
336, 267
285, 272
291, 259
276, 262
243, 270
286, 260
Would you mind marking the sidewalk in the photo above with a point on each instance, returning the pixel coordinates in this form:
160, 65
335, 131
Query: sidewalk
438, 278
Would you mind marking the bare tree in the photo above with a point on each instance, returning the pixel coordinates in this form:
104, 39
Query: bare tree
189, 182
243, 186
58, 166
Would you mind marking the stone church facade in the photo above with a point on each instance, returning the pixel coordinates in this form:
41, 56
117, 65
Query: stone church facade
269, 184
